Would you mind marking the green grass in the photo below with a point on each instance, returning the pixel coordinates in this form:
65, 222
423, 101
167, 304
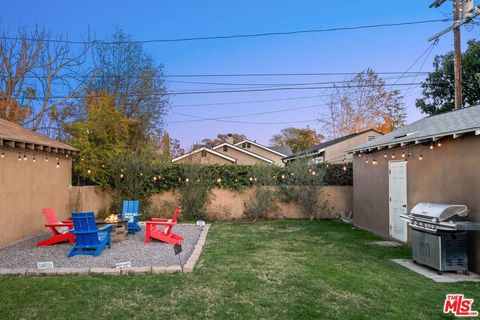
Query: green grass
262, 270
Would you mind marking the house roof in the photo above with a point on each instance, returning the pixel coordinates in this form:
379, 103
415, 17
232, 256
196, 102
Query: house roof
453, 123
262, 146
252, 154
283, 150
13, 135
321, 147
207, 150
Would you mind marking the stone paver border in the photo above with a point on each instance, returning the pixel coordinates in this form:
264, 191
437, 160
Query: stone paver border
446, 277
187, 267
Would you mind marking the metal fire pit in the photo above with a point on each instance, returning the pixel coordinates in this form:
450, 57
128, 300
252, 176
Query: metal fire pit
439, 235
119, 229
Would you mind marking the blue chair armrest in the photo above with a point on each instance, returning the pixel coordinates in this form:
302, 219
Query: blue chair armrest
107, 227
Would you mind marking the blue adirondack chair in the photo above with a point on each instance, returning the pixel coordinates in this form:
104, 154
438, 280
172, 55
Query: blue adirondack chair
130, 212
89, 239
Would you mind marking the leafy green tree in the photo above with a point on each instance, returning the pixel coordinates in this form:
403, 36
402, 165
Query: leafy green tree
439, 86
297, 139
101, 138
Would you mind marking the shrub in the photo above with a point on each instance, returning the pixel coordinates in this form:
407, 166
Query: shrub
263, 199
303, 183
195, 192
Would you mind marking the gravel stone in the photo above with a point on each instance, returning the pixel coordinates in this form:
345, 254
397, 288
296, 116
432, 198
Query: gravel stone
25, 254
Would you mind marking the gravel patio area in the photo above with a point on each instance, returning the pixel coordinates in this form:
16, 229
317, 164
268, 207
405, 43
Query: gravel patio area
25, 254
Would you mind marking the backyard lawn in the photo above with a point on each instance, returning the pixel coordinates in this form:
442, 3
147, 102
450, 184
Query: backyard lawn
261, 270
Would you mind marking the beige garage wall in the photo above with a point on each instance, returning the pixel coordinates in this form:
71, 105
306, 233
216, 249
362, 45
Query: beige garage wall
26, 187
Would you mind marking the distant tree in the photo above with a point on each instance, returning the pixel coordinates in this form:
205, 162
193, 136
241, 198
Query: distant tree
38, 77
237, 137
166, 145
125, 71
170, 148
296, 139
363, 103
102, 138
439, 86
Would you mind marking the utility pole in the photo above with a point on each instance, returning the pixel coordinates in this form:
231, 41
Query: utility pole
457, 56
463, 12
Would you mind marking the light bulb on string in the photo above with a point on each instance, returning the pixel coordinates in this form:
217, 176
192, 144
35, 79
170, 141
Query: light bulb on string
403, 154
385, 155
24, 157
431, 146
58, 164
393, 155
313, 173
344, 168
19, 156
89, 171
3, 154
439, 144
121, 175
187, 180
367, 161
420, 157
374, 162
34, 158
154, 178
46, 159
219, 180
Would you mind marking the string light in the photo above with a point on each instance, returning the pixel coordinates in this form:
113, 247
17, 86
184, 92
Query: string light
34, 158
121, 175
19, 156
46, 159
313, 173
141, 174
393, 155
403, 154
24, 157
385, 155
187, 180
3, 154
439, 144
154, 178
283, 176
431, 146
89, 171
367, 161
58, 163
251, 178
421, 157
374, 161
219, 180
344, 168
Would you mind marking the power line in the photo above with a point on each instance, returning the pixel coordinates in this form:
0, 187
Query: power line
246, 101
213, 91
245, 115
232, 36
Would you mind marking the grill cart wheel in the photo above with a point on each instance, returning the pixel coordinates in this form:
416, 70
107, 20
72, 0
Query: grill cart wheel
414, 261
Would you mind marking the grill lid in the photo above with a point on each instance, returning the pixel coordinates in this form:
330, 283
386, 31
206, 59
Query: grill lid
439, 211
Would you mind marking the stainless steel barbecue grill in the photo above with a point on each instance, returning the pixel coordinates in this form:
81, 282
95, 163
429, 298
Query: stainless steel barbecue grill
439, 235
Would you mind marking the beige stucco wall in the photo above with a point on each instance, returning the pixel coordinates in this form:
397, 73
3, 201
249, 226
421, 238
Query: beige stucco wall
90, 199
448, 174
26, 187
230, 205
339, 150
209, 159
242, 157
267, 154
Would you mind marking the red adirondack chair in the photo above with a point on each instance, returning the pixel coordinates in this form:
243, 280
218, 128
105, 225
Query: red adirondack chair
60, 230
165, 234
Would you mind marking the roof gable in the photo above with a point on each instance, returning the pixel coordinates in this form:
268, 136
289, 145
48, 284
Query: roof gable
207, 150
252, 154
261, 146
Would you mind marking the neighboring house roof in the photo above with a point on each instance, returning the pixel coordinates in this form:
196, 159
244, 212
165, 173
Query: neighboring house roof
14, 135
453, 123
283, 150
321, 147
207, 150
252, 154
261, 146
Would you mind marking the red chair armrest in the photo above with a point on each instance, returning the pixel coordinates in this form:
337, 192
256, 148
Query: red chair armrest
59, 225
162, 223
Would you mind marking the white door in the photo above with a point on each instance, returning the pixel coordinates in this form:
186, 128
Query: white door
397, 186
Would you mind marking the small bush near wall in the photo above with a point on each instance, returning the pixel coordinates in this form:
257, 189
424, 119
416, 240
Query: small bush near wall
263, 200
304, 185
